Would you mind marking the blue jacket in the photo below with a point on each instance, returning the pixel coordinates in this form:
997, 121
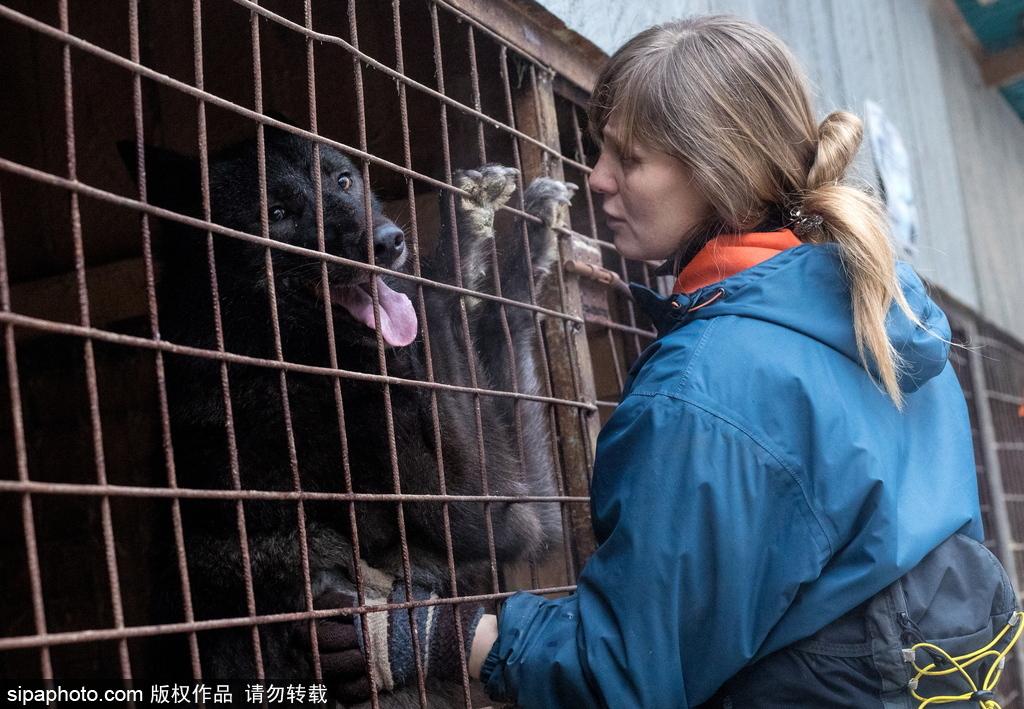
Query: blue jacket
753, 485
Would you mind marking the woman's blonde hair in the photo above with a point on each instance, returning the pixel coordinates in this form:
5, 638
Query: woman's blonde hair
727, 98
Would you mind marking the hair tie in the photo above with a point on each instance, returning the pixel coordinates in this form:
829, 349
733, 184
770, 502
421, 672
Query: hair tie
804, 224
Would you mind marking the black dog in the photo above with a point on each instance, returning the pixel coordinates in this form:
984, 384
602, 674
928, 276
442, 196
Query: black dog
260, 455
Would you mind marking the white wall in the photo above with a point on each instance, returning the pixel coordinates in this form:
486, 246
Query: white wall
967, 143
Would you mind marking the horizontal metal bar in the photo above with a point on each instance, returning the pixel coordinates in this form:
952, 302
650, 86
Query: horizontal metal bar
1004, 398
96, 490
144, 631
612, 325
593, 240
165, 346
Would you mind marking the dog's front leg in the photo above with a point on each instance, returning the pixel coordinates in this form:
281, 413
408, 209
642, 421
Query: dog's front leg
487, 188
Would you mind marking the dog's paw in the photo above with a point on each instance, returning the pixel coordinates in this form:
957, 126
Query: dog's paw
489, 187
549, 199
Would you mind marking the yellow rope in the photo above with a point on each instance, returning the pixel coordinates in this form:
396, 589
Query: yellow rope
962, 662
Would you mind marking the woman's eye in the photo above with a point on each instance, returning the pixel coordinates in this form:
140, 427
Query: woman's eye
276, 214
344, 181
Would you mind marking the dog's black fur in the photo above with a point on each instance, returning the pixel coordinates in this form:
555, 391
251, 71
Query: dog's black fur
261, 456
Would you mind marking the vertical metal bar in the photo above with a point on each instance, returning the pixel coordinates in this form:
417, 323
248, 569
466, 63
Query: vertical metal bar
990, 454
517, 158
463, 315
646, 271
96, 423
154, 330
581, 157
474, 76
218, 325
275, 325
21, 457
389, 420
615, 359
421, 301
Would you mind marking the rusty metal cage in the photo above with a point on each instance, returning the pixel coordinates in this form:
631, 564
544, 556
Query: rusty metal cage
990, 368
410, 91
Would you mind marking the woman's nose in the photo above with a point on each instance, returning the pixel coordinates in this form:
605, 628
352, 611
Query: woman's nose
601, 180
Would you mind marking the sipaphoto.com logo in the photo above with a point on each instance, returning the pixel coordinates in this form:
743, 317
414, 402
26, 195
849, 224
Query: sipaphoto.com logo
26, 696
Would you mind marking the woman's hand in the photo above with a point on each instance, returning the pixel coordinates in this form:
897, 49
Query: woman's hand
483, 639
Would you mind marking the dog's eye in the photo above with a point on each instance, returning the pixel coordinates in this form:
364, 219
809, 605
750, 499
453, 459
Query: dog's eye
276, 214
344, 181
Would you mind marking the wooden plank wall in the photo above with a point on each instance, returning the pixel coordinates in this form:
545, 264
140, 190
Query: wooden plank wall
989, 144
967, 144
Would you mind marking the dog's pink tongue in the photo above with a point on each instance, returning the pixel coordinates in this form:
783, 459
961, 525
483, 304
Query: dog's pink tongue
398, 324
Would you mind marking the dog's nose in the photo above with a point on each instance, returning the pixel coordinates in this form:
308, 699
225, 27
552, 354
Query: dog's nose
388, 244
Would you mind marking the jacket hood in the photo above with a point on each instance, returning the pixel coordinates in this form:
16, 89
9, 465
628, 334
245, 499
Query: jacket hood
806, 289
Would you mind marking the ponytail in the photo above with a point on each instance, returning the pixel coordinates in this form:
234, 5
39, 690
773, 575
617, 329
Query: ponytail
856, 222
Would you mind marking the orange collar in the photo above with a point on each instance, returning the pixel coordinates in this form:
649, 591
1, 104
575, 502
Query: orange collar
728, 254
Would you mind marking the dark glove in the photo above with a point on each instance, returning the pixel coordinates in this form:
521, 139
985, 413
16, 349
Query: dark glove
342, 664
343, 645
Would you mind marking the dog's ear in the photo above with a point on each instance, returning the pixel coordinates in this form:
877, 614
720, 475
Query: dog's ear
278, 116
273, 132
172, 180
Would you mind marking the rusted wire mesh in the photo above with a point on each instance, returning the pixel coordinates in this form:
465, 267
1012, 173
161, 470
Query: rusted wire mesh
82, 488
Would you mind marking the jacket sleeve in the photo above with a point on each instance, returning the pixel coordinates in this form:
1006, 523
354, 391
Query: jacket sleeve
705, 539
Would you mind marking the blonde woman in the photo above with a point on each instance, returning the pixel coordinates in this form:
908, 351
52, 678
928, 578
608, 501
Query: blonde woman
785, 499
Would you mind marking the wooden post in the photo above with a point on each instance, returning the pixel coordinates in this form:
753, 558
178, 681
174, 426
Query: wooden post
567, 348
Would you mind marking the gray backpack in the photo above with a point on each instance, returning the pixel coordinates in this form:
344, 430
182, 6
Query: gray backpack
958, 598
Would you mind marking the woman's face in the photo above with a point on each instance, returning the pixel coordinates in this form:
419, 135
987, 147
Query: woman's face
650, 200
